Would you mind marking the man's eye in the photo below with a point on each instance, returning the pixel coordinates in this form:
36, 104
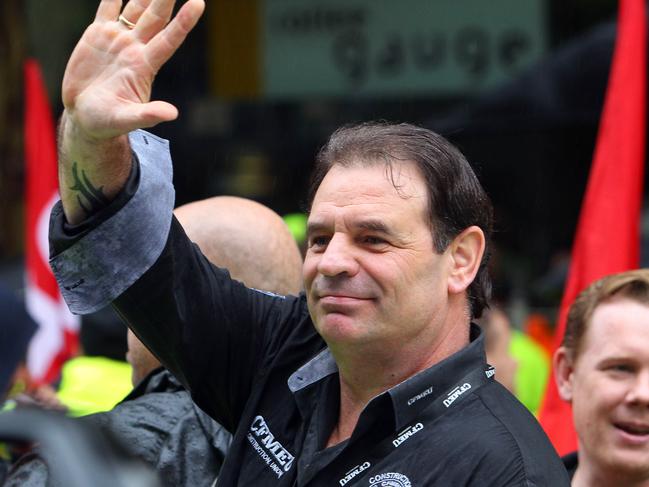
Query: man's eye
372, 240
621, 368
318, 241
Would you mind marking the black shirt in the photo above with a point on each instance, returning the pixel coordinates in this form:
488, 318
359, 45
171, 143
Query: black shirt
255, 363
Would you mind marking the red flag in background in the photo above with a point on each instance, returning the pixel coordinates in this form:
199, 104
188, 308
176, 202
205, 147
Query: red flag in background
57, 337
608, 233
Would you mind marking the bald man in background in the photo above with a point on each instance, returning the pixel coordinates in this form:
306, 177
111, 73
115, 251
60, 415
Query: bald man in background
158, 421
243, 236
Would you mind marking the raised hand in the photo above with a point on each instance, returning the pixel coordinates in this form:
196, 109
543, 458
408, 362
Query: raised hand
107, 83
106, 93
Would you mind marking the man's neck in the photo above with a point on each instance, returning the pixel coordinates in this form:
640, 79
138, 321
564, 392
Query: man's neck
364, 374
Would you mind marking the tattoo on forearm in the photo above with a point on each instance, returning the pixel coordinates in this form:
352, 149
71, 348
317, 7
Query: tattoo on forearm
94, 197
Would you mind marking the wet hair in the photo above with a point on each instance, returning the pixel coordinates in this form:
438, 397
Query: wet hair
633, 285
456, 200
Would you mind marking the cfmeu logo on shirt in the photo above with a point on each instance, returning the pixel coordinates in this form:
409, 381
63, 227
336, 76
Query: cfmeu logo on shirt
390, 479
278, 458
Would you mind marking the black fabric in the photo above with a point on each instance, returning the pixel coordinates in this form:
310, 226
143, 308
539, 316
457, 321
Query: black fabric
16, 330
63, 237
4, 468
235, 349
571, 462
103, 334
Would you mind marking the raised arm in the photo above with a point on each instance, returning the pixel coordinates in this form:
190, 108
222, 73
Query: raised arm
106, 94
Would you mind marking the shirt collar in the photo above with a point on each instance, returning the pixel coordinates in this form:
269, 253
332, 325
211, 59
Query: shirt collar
319, 367
415, 393
314, 371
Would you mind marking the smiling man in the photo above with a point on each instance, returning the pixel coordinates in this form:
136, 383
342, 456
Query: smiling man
602, 369
375, 375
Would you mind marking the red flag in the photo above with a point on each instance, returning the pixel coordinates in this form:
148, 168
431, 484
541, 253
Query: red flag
57, 337
608, 233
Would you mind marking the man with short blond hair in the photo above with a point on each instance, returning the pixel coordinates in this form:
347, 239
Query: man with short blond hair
602, 369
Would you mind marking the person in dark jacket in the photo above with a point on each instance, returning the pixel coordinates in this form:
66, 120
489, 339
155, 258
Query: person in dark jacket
16, 330
158, 421
602, 369
375, 375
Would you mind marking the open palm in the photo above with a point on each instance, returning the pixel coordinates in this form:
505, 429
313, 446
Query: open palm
108, 79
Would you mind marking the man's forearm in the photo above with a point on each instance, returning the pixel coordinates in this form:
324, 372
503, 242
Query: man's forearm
91, 171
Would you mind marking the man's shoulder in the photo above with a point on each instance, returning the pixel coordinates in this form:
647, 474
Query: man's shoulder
510, 413
509, 423
477, 430
490, 435
468, 445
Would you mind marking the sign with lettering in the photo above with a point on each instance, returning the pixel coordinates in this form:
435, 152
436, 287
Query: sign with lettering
390, 47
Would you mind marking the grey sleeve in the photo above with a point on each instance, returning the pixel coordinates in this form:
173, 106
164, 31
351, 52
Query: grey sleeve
109, 259
29, 471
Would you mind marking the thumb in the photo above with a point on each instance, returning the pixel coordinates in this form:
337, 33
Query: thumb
154, 112
144, 115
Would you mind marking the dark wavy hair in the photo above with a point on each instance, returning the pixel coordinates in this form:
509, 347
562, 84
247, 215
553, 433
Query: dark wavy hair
456, 200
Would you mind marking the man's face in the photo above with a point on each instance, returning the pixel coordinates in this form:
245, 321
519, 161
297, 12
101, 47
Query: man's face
610, 388
371, 273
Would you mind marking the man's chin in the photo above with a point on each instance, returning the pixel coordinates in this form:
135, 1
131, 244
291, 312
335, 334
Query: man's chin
629, 464
340, 329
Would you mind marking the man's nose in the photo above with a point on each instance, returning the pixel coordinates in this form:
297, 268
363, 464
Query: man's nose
639, 392
338, 258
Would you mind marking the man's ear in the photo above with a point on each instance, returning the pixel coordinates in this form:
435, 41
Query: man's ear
466, 252
563, 366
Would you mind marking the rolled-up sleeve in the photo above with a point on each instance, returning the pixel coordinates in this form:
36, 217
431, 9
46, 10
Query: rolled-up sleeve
106, 260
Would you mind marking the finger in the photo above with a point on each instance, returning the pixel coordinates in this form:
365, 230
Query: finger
165, 43
145, 115
134, 9
108, 10
154, 19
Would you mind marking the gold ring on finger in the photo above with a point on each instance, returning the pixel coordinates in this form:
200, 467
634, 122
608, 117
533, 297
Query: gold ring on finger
126, 22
